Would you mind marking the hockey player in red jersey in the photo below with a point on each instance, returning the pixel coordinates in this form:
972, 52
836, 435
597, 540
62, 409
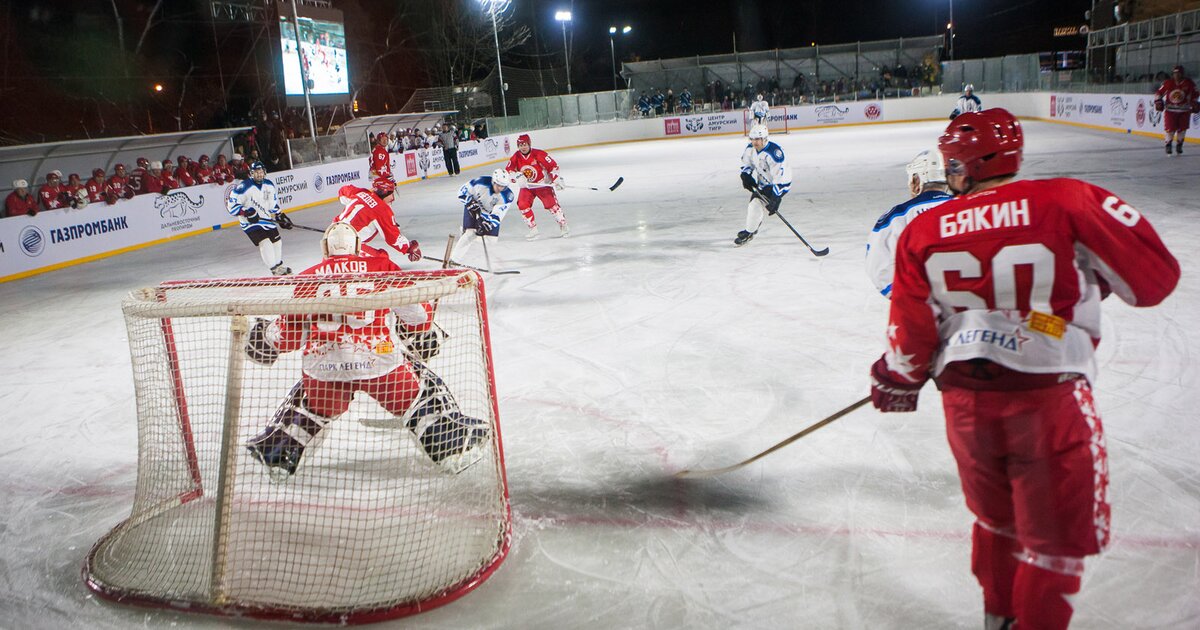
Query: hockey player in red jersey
378, 352
168, 176
996, 298
370, 213
183, 172
541, 180
1179, 98
153, 182
20, 201
117, 186
204, 173
381, 162
95, 186
222, 172
136, 180
76, 194
51, 194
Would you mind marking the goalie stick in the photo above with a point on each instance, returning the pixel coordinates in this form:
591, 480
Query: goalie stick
699, 474
458, 264
816, 252
620, 180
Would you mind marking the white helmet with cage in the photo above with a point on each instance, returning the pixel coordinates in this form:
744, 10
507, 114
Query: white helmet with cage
341, 239
502, 178
928, 166
759, 132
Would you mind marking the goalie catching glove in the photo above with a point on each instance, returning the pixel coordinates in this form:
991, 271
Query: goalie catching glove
889, 395
259, 349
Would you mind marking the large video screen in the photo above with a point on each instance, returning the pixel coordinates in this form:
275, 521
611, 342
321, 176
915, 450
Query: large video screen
322, 45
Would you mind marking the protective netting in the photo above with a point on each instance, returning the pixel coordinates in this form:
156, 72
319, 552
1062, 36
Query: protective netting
369, 525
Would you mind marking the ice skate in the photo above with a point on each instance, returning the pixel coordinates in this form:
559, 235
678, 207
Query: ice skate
743, 237
563, 230
281, 270
1168, 147
1179, 148
533, 234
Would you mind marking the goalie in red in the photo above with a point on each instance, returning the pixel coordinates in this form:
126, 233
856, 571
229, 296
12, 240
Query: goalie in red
996, 297
379, 353
370, 214
541, 180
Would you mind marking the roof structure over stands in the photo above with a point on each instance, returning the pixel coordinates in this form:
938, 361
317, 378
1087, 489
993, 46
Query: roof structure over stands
33, 161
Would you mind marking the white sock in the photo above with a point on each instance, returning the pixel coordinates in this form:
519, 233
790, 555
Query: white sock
464, 243
755, 210
266, 250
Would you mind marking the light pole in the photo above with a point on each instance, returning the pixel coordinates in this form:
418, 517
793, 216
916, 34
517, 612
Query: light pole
612, 30
563, 17
499, 69
950, 26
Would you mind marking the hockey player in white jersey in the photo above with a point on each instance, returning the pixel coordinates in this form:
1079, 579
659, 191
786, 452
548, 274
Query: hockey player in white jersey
759, 110
968, 102
766, 174
927, 185
485, 202
254, 202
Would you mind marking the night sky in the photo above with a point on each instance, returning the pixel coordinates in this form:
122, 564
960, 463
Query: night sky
678, 28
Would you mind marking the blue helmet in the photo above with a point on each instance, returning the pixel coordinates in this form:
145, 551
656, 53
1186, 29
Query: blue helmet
255, 165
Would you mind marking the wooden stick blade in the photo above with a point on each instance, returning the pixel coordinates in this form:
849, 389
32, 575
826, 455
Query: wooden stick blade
698, 474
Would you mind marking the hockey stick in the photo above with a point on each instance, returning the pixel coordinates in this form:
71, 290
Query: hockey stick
620, 180
305, 227
698, 474
816, 252
481, 269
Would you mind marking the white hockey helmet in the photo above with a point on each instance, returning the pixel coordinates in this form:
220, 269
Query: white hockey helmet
341, 239
928, 166
969, 88
760, 97
502, 177
759, 132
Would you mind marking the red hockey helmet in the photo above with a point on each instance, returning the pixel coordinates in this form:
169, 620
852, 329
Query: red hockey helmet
203, 159
221, 157
1178, 69
167, 162
97, 172
524, 139
73, 177
383, 186
983, 145
381, 137
143, 163
349, 190
119, 167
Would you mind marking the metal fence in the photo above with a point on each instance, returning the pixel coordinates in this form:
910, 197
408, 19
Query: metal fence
565, 109
1140, 51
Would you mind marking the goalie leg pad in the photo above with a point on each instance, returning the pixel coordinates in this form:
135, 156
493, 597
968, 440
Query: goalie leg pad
280, 445
450, 439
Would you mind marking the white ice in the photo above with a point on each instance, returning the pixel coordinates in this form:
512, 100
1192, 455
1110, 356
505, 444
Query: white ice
646, 343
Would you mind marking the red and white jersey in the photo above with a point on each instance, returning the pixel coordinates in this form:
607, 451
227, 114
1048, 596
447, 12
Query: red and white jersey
52, 197
348, 346
1015, 275
205, 175
136, 180
184, 176
537, 167
381, 162
370, 216
1178, 96
118, 187
95, 190
223, 173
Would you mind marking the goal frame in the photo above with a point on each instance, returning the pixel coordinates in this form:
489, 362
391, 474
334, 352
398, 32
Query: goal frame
777, 121
120, 595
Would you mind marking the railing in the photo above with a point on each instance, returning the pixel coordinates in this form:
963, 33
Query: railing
566, 109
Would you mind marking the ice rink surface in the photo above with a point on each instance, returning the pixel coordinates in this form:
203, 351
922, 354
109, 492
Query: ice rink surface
644, 344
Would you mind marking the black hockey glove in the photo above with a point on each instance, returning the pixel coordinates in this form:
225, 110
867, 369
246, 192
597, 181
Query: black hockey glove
770, 199
251, 216
284, 221
474, 207
748, 182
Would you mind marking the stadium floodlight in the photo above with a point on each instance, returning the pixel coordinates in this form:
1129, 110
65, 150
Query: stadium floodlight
612, 47
563, 17
499, 70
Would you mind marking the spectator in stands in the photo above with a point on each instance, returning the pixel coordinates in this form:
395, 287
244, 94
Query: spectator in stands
183, 172
685, 101
117, 186
95, 186
19, 201
449, 141
168, 176
51, 194
153, 182
204, 172
643, 105
77, 196
239, 167
670, 101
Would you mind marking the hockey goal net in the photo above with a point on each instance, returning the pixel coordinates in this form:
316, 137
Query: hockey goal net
777, 120
368, 526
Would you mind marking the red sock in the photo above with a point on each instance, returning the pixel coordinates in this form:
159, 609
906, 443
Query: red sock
994, 563
1041, 598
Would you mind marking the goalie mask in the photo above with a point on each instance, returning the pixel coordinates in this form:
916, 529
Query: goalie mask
928, 166
340, 239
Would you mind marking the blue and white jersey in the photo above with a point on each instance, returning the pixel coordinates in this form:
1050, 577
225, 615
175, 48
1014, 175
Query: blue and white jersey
968, 103
769, 167
249, 198
760, 109
881, 244
685, 99
495, 204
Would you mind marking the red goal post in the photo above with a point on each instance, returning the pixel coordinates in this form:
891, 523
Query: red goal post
778, 120
368, 527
